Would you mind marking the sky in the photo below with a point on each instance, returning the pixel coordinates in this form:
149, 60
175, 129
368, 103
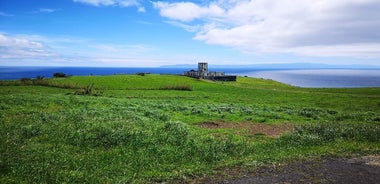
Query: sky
139, 33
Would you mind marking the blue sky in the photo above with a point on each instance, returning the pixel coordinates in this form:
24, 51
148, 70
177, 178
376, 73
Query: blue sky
221, 32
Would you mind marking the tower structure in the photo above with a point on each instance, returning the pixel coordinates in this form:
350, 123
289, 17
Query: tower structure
202, 70
203, 73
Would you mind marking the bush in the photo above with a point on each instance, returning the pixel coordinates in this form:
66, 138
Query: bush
59, 75
26, 81
89, 90
184, 87
39, 77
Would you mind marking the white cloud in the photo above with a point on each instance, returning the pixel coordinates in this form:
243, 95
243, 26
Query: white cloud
127, 3
366, 50
186, 27
186, 11
18, 42
141, 9
304, 27
121, 3
97, 2
69, 51
46, 10
6, 14
21, 47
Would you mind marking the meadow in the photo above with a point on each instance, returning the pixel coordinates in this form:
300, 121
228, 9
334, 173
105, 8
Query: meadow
166, 128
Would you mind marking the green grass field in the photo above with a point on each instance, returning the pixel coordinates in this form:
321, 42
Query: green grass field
144, 129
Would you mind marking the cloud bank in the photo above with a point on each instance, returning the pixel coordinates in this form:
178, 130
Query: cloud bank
38, 50
19, 47
303, 27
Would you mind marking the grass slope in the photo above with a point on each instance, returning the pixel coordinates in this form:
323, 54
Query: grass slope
136, 132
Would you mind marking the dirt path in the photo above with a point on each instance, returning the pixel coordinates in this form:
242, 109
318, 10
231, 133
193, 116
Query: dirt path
363, 170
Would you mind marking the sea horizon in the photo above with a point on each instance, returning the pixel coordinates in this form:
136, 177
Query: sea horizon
301, 77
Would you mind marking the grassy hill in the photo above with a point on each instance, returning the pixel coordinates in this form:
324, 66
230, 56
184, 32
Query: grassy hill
153, 128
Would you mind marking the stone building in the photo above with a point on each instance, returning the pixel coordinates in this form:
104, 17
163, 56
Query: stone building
203, 73
202, 70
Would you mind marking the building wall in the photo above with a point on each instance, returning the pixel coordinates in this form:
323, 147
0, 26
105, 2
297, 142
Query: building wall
202, 70
214, 74
225, 78
203, 73
191, 73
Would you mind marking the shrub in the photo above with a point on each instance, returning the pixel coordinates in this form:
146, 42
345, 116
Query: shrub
59, 75
184, 87
39, 77
26, 81
89, 90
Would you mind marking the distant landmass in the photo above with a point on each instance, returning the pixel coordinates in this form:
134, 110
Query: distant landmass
280, 66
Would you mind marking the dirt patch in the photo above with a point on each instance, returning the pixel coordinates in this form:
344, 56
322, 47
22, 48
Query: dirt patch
372, 160
270, 130
362, 170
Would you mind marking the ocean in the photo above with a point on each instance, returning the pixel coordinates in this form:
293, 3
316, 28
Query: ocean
322, 78
315, 78
14, 73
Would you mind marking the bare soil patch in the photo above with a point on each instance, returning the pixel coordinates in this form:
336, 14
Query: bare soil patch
360, 170
270, 130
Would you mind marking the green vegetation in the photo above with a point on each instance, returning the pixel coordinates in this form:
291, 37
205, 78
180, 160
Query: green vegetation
146, 128
59, 74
